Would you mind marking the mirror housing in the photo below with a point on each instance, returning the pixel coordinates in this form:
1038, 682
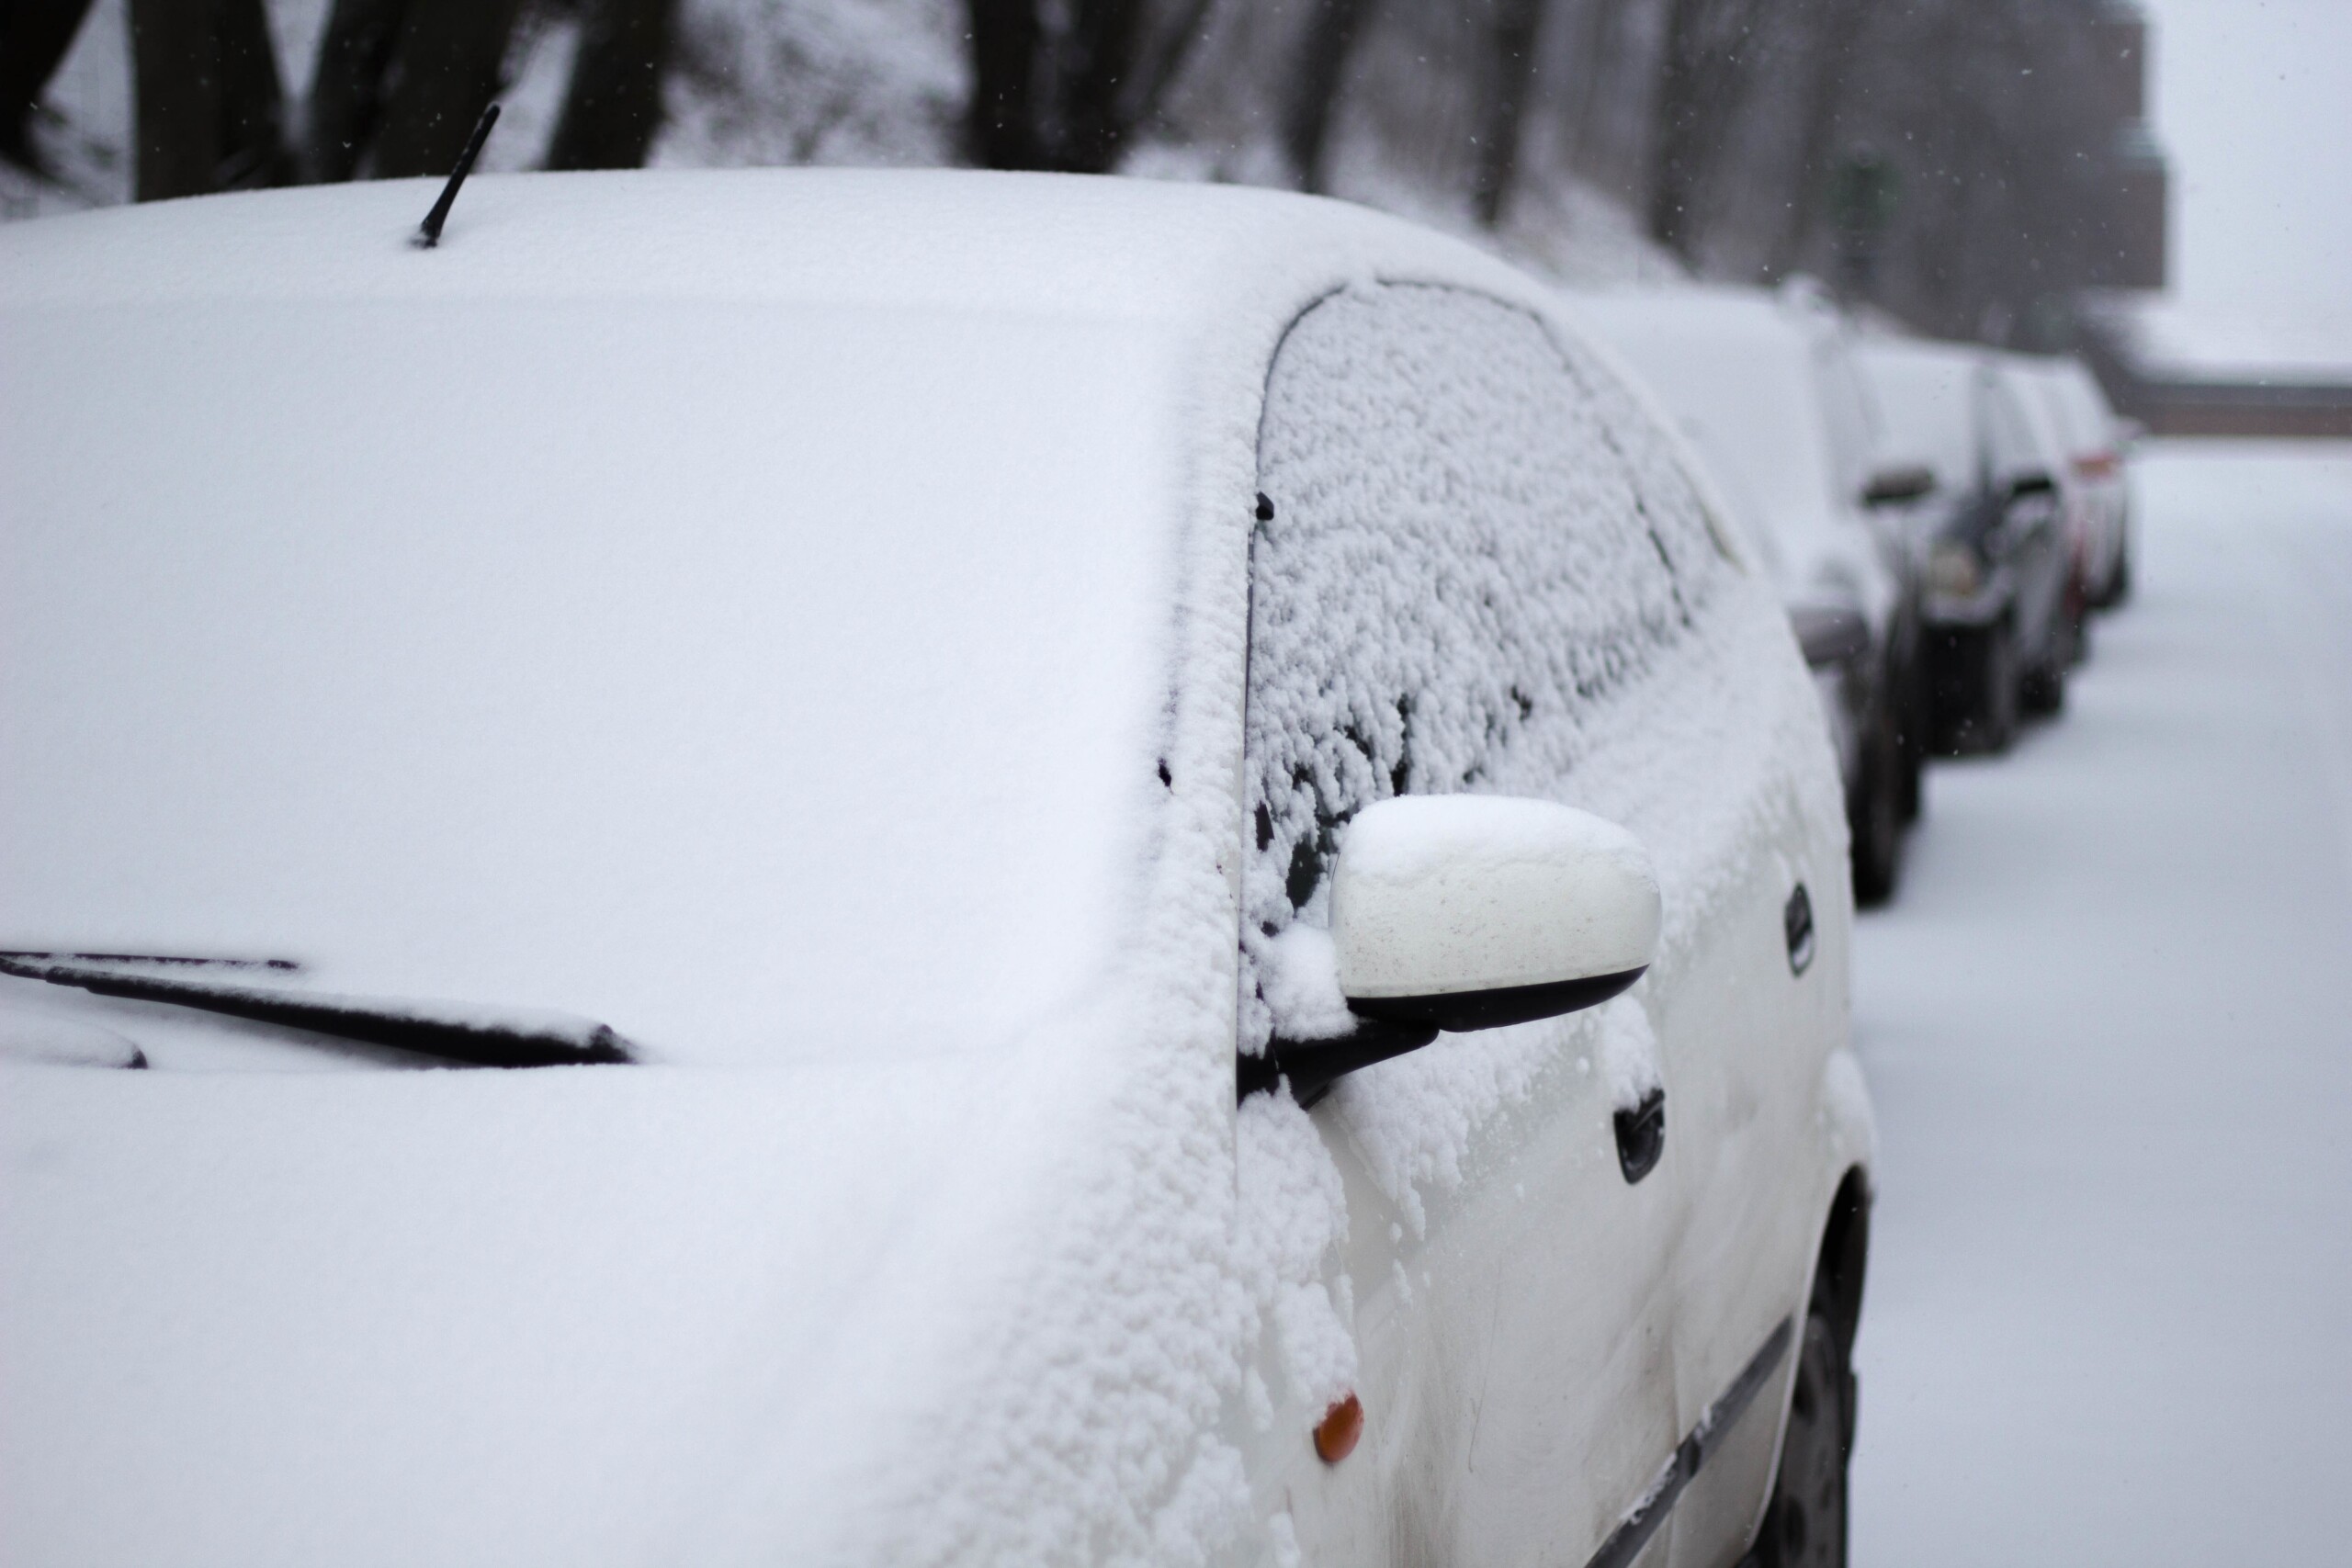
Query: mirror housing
1830, 635
1466, 911
1462, 912
1899, 486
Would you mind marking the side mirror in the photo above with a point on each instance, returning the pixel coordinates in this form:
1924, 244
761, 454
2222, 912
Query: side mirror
1830, 634
1898, 487
1462, 912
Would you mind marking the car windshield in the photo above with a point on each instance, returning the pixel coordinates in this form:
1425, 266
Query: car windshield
1924, 398
752, 679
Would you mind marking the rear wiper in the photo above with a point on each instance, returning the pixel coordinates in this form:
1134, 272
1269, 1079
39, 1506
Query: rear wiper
447, 1032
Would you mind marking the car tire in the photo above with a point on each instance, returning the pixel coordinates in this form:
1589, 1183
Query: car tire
1998, 712
1876, 818
1805, 1523
2043, 690
1918, 717
2118, 581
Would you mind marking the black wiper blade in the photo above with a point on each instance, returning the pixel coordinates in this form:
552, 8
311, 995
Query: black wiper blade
167, 961
447, 1032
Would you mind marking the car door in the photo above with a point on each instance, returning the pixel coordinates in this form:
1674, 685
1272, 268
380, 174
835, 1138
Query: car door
1459, 578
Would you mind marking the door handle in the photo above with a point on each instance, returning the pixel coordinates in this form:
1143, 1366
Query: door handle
1796, 925
1641, 1136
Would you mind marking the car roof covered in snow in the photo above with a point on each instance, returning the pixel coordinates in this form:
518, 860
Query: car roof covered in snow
948, 239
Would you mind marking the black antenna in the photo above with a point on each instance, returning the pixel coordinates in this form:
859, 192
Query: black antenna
429, 235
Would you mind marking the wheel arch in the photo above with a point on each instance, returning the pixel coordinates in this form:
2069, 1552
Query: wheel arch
1843, 1257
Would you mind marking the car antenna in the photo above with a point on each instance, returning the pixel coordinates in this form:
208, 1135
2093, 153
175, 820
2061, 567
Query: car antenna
429, 234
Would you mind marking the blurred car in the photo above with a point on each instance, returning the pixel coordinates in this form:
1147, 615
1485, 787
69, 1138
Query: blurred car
2093, 472
1765, 387
1999, 560
2029, 378
1197, 904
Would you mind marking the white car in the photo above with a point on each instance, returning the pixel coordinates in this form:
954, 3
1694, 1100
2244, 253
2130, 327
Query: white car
1766, 387
919, 670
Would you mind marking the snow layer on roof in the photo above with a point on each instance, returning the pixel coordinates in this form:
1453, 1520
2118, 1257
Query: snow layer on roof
958, 238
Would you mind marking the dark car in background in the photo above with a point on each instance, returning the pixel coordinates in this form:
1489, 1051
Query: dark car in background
1765, 385
1999, 576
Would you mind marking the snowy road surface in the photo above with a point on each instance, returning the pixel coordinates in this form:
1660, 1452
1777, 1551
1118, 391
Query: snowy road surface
2109, 1029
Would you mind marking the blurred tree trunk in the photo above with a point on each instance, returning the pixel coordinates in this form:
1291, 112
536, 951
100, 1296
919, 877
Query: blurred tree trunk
347, 84
1313, 98
399, 84
1070, 97
445, 72
614, 104
210, 111
1100, 52
1832, 44
34, 37
1516, 24
1007, 45
1702, 76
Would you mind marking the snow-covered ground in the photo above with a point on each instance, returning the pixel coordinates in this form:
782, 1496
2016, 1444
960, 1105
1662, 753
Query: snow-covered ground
2109, 1030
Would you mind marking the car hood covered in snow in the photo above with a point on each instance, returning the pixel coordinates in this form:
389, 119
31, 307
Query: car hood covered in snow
470, 1317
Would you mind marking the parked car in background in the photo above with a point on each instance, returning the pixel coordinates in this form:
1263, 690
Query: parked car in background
2093, 471
1993, 531
1198, 903
1764, 385
2028, 379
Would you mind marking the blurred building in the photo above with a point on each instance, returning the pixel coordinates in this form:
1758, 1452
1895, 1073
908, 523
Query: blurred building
2136, 253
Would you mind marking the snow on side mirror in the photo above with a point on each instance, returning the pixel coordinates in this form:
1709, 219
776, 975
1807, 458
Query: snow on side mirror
1466, 911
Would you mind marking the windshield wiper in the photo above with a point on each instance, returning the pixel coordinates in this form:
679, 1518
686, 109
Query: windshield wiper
448, 1031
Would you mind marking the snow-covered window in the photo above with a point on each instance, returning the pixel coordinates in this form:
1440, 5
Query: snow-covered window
1473, 536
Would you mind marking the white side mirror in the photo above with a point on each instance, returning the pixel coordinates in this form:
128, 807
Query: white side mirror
1457, 912
1466, 911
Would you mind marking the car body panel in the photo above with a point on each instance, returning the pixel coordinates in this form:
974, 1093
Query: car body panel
890, 1290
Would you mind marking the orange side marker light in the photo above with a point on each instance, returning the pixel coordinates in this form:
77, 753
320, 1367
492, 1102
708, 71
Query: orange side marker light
1335, 1439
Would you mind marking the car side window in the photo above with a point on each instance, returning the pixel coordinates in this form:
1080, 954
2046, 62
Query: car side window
1471, 537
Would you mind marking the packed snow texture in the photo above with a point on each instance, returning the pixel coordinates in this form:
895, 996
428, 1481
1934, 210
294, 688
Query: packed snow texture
1511, 588
1473, 544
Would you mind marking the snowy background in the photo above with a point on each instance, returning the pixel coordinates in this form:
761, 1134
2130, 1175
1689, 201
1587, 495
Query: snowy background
2108, 1026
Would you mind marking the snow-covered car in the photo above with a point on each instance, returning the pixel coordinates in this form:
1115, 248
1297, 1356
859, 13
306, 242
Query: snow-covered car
1765, 387
2094, 469
1197, 909
1999, 572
